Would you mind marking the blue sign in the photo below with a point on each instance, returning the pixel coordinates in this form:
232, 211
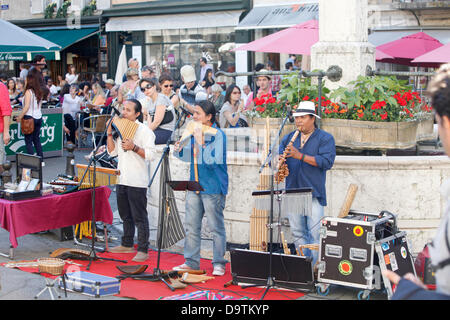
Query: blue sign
5, 6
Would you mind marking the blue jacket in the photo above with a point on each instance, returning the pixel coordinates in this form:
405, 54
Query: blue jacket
303, 175
407, 290
212, 163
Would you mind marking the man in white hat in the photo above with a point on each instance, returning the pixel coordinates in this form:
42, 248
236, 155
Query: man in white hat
308, 159
190, 88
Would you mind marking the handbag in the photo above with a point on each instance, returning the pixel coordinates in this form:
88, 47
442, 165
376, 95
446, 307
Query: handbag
27, 122
27, 125
168, 117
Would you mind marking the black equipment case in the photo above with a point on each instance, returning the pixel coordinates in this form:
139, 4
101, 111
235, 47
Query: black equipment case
26, 161
347, 249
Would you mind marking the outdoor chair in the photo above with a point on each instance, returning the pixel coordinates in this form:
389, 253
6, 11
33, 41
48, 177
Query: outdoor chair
96, 125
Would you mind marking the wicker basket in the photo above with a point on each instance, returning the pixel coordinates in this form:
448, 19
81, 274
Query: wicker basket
53, 266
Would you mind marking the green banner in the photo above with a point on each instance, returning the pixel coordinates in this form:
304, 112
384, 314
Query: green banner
51, 135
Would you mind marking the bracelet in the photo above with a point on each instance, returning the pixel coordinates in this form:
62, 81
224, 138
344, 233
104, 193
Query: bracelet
303, 157
135, 148
110, 134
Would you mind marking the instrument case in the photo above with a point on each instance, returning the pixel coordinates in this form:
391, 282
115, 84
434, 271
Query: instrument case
90, 284
394, 254
34, 163
347, 248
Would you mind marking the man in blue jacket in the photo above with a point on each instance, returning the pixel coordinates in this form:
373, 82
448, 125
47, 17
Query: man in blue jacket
309, 158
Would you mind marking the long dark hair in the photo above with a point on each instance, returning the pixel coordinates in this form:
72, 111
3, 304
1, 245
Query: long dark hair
137, 108
209, 109
34, 83
230, 91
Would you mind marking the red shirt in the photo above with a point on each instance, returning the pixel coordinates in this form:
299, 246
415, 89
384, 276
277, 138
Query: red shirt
5, 105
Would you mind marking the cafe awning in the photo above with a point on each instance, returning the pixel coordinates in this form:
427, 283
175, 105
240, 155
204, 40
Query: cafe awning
179, 21
63, 37
282, 16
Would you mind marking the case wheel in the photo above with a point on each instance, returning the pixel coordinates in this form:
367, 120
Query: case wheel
364, 295
323, 290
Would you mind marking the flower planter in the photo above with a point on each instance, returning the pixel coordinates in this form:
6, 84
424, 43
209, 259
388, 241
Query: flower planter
356, 134
425, 129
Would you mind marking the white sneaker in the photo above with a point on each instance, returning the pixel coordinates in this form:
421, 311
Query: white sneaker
218, 271
182, 267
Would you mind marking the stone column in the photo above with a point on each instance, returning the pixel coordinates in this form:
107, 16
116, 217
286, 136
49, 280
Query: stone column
343, 40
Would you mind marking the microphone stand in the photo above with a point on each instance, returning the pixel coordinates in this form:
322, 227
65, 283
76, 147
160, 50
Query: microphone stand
92, 162
270, 279
157, 272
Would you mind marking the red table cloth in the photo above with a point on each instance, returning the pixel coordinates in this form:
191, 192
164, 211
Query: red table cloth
23, 217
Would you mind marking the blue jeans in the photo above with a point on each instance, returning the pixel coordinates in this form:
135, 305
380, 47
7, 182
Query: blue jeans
305, 229
211, 206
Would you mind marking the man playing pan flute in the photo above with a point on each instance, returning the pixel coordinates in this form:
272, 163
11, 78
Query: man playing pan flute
134, 178
206, 151
308, 159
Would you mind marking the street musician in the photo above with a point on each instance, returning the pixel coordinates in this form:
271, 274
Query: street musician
206, 151
308, 158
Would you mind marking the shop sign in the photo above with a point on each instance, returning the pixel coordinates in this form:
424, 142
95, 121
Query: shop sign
171, 58
51, 135
12, 56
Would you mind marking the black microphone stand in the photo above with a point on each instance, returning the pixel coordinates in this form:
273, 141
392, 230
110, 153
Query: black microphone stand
157, 272
93, 162
270, 280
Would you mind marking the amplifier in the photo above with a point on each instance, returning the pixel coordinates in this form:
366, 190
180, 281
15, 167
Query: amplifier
289, 271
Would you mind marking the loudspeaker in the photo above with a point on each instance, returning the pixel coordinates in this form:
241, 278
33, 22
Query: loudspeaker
289, 271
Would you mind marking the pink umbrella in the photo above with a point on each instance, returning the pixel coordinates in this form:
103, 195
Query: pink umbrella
380, 55
439, 55
294, 40
410, 47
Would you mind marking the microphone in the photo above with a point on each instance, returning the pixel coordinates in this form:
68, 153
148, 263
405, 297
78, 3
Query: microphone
185, 111
116, 111
289, 113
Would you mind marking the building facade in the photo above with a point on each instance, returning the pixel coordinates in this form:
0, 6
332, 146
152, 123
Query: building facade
170, 34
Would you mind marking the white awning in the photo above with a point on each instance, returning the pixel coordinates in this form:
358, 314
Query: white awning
178, 21
279, 16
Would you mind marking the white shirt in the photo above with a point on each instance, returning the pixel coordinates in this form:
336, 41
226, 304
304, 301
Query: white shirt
134, 170
71, 78
35, 108
71, 105
53, 90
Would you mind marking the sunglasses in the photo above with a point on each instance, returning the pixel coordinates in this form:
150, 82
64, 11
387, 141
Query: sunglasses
146, 87
168, 85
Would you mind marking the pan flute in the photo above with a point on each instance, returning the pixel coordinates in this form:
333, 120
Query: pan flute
124, 127
191, 127
103, 176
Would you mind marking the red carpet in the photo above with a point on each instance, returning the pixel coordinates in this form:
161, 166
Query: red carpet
147, 290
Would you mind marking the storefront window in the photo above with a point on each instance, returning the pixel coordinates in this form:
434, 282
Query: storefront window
169, 50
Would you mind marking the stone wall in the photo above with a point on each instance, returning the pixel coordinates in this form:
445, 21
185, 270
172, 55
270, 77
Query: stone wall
406, 186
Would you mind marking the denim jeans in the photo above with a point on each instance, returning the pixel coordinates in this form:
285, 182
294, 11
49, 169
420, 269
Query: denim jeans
33, 138
305, 229
132, 206
211, 206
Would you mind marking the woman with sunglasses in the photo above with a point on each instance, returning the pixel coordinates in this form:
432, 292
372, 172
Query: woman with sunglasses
230, 113
166, 85
158, 111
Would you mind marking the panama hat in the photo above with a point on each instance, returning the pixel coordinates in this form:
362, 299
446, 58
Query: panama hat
304, 108
188, 73
268, 76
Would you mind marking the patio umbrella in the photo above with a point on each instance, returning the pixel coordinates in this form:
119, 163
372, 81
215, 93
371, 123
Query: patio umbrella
122, 66
294, 40
438, 56
405, 49
15, 36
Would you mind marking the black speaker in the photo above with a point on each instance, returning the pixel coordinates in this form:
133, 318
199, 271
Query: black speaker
289, 271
